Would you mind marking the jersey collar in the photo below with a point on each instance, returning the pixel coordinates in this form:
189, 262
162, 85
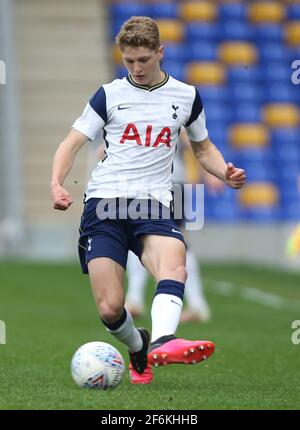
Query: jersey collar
143, 87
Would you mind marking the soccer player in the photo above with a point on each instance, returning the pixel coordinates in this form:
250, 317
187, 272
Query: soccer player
197, 308
141, 116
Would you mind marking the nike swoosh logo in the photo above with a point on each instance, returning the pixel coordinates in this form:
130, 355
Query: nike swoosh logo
176, 303
123, 107
176, 231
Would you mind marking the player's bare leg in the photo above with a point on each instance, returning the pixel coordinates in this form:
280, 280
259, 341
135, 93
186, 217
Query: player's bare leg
165, 258
107, 278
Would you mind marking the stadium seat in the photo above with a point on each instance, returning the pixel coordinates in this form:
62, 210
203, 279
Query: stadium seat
202, 51
268, 33
167, 9
201, 31
266, 11
247, 112
293, 11
276, 72
125, 10
292, 33
259, 194
175, 51
250, 74
214, 93
281, 92
251, 135
247, 92
229, 11
281, 115
121, 71
259, 171
198, 11
117, 55
174, 68
218, 112
238, 53
171, 30
236, 30
205, 73
285, 135
271, 51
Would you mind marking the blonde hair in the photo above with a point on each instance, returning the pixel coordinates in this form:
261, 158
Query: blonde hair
139, 31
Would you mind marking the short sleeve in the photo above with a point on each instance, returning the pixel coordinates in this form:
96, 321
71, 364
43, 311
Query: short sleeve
94, 116
196, 124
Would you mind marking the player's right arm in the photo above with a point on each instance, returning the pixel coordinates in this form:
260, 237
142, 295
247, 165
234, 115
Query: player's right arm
62, 164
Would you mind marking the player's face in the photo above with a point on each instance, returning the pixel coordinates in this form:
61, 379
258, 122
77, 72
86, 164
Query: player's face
143, 64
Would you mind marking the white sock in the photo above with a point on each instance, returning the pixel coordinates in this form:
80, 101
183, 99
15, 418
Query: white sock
137, 279
165, 314
128, 334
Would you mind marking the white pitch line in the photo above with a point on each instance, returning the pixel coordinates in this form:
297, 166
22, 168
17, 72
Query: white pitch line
252, 294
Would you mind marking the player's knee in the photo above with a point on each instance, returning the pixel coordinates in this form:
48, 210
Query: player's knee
178, 273
110, 313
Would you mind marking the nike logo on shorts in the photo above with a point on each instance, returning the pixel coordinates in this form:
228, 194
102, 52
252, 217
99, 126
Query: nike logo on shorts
176, 231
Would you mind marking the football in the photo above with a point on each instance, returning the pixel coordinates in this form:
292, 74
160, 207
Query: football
97, 365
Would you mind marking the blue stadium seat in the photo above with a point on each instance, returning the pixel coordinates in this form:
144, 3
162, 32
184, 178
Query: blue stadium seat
294, 11
246, 112
165, 10
246, 92
284, 135
255, 155
200, 31
202, 51
175, 52
287, 151
273, 52
213, 93
125, 10
219, 137
244, 74
116, 26
290, 210
218, 112
236, 30
281, 92
236, 11
257, 172
121, 71
174, 68
268, 33
276, 72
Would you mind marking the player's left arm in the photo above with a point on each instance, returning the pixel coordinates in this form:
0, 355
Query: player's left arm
213, 162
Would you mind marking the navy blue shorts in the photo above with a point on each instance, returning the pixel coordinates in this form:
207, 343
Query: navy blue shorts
112, 238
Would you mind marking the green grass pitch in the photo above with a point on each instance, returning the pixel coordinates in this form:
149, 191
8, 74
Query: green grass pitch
49, 312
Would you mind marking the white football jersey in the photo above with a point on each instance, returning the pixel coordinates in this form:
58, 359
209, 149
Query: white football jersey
140, 126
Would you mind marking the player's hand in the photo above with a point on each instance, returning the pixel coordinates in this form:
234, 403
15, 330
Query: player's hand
60, 197
234, 176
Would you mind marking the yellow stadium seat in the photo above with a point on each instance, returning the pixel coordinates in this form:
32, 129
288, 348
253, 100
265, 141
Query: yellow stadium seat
259, 194
281, 115
248, 135
171, 30
198, 11
238, 53
292, 33
192, 167
206, 73
117, 55
266, 11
